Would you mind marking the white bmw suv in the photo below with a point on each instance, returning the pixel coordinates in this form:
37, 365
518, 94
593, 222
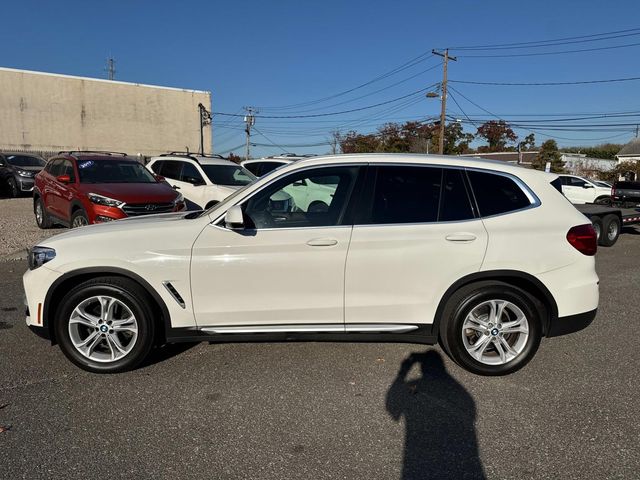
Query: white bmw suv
204, 180
483, 257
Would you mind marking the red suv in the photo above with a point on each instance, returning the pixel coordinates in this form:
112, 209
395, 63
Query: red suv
80, 188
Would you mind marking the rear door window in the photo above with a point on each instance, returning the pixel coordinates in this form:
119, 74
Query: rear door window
190, 174
455, 203
496, 193
405, 194
157, 167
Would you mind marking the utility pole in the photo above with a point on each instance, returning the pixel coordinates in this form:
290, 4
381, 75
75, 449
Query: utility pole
111, 68
250, 120
205, 119
443, 98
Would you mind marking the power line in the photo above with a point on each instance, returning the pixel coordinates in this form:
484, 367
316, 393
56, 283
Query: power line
269, 140
556, 41
578, 82
414, 61
329, 113
550, 53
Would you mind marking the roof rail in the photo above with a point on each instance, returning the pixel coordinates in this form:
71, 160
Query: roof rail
192, 155
73, 152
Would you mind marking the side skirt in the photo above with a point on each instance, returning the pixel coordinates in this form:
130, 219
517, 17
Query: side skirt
422, 335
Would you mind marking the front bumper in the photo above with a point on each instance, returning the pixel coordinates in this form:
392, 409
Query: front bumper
571, 323
36, 285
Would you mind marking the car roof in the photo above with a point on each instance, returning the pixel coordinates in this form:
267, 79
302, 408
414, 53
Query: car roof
412, 158
21, 154
196, 159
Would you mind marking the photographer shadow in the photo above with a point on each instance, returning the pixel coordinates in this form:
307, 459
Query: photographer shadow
439, 415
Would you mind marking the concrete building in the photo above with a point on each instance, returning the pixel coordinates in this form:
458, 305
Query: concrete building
46, 113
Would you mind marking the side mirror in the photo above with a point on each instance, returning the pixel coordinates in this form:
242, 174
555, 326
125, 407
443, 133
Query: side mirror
63, 178
234, 218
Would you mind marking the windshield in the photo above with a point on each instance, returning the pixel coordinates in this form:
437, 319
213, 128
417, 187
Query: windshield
25, 161
113, 171
230, 175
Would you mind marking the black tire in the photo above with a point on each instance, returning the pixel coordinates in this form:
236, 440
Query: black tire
43, 220
471, 296
79, 219
605, 200
596, 221
611, 228
127, 292
13, 187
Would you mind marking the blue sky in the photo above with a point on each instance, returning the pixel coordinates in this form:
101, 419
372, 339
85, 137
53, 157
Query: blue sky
277, 53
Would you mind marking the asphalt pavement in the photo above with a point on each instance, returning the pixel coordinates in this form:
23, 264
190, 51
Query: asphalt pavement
329, 410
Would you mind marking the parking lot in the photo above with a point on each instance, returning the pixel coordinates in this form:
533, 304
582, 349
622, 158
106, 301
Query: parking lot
325, 410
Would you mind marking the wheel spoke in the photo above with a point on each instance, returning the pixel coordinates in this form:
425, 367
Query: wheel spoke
507, 347
106, 308
478, 348
116, 343
80, 315
500, 350
93, 345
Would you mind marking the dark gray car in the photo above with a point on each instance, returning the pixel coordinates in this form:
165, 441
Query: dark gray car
17, 172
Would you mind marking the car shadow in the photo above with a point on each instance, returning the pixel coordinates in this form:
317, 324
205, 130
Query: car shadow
164, 352
439, 416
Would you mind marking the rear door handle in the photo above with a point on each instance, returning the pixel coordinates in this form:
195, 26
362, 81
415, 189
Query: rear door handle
460, 237
322, 242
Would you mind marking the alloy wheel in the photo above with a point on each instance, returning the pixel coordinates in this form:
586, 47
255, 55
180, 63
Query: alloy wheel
103, 329
495, 332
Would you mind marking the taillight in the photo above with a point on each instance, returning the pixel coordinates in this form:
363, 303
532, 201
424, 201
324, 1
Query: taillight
584, 239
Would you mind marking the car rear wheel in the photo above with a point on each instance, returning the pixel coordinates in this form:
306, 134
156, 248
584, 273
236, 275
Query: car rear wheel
604, 200
491, 328
105, 325
79, 219
42, 218
596, 221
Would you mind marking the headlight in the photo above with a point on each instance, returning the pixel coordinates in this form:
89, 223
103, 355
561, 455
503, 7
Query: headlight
106, 201
38, 256
179, 198
25, 173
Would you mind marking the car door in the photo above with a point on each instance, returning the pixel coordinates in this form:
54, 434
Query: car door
50, 190
417, 233
193, 184
65, 191
574, 189
285, 269
171, 170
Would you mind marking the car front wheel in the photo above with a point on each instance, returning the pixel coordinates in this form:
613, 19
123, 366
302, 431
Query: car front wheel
105, 325
491, 328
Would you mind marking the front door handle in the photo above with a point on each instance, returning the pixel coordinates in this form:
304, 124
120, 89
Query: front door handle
461, 237
322, 242
175, 187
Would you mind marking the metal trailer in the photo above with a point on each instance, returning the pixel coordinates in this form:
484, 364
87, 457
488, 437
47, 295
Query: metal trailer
609, 221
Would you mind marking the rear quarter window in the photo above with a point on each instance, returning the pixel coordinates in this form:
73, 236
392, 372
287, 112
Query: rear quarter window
496, 194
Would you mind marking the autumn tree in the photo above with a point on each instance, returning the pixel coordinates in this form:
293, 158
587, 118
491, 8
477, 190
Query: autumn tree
497, 133
549, 153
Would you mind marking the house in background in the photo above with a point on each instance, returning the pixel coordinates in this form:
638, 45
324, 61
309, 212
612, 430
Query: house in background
591, 167
510, 157
629, 153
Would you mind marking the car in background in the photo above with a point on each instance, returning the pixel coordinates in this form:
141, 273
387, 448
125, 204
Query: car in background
602, 183
82, 188
626, 193
17, 172
203, 179
581, 190
261, 166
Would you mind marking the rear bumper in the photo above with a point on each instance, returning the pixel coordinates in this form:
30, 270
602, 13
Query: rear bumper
571, 323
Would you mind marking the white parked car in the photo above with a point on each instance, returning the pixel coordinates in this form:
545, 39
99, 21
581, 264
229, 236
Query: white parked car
581, 190
261, 166
203, 180
484, 257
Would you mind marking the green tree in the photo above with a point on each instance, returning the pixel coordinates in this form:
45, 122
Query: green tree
497, 133
529, 143
549, 153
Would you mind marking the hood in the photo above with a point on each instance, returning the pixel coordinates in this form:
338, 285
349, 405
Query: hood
132, 192
125, 225
28, 169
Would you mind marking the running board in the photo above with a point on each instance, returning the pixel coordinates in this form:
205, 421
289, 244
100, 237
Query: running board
319, 328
